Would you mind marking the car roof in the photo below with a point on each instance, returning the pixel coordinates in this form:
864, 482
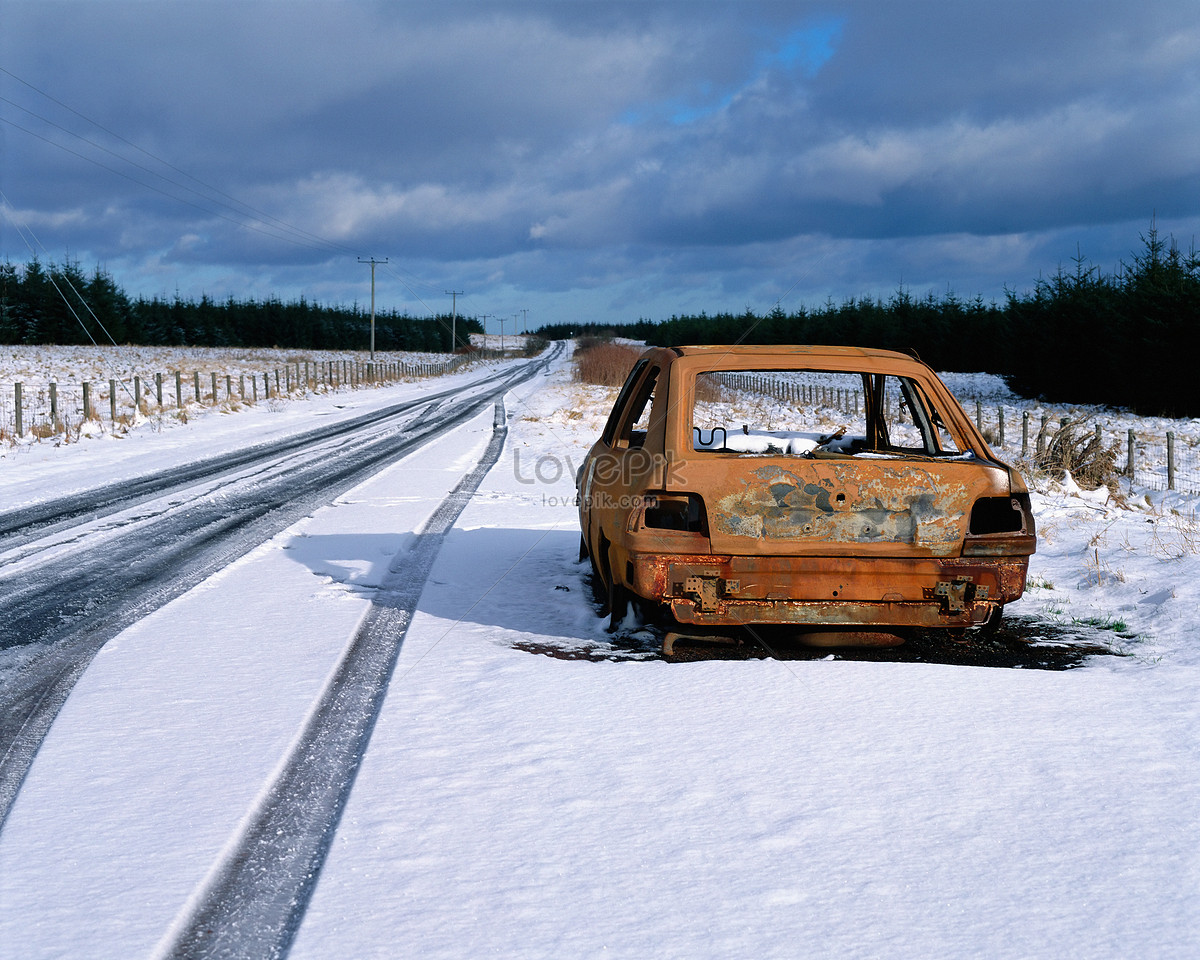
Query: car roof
777, 350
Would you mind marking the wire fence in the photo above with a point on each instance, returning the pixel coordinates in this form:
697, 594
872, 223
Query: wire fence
1166, 460
1156, 460
70, 406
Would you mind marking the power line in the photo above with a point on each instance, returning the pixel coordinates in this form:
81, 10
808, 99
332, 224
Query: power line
22, 230
170, 196
244, 214
254, 213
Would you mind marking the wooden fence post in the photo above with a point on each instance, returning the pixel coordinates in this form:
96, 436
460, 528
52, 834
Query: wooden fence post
1170, 460
158, 388
87, 400
137, 396
1000, 420
1129, 464
178, 388
53, 405
978, 415
214, 386
17, 391
196, 383
1025, 435
112, 400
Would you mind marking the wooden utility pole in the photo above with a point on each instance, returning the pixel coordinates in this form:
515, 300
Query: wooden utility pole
455, 294
372, 262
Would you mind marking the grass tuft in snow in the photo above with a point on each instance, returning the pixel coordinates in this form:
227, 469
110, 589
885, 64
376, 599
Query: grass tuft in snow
1076, 450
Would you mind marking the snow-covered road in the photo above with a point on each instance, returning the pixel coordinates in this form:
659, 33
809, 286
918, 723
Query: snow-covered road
518, 805
75, 570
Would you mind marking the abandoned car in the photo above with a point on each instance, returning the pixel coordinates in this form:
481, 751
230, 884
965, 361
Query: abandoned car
819, 487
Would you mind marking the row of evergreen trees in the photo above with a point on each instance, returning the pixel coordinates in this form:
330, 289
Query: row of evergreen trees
60, 304
1130, 338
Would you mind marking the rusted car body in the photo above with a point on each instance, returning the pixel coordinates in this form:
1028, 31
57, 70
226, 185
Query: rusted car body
824, 487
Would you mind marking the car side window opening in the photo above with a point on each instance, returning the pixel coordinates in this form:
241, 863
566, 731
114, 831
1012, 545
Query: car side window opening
937, 436
816, 413
635, 418
622, 402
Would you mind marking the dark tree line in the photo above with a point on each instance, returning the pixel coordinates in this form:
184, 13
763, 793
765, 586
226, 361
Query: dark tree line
1128, 339
60, 304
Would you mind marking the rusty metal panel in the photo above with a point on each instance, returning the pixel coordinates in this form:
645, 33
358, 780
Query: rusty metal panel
838, 502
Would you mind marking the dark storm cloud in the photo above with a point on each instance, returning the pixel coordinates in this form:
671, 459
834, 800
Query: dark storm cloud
606, 159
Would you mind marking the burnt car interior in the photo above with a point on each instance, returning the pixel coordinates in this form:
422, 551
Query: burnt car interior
875, 415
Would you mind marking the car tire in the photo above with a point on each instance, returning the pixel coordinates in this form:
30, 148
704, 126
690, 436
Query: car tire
991, 625
618, 606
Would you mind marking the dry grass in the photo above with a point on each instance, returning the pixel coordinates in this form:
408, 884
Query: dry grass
1078, 450
604, 363
1175, 537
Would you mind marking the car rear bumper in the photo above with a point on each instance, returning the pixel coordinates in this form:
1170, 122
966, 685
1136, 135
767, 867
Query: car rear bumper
875, 591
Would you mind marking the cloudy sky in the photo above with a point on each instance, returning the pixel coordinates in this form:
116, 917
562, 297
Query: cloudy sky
595, 161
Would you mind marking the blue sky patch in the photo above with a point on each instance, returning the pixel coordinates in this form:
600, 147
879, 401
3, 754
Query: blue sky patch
804, 51
807, 49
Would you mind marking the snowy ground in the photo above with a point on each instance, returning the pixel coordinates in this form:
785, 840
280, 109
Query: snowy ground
520, 805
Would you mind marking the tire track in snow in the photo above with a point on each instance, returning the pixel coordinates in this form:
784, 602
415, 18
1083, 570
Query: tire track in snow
254, 898
72, 613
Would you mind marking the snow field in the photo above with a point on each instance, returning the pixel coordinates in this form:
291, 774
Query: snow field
69, 367
515, 805
519, 805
